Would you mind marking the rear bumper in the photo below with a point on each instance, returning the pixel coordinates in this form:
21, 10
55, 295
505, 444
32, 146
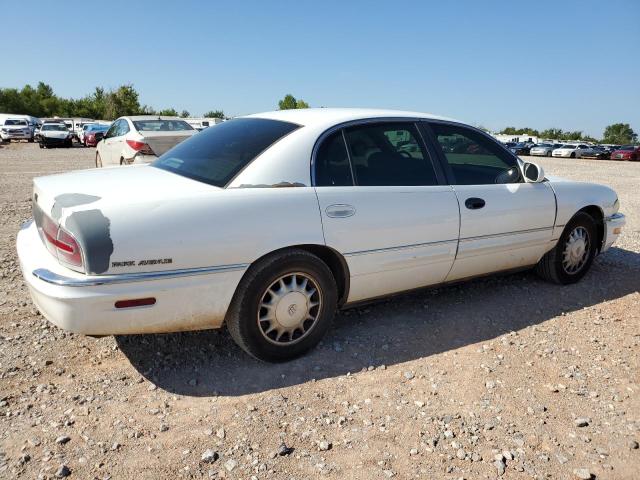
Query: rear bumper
612, 229
86, 304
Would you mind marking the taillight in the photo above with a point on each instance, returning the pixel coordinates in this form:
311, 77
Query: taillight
61, 244
140, 147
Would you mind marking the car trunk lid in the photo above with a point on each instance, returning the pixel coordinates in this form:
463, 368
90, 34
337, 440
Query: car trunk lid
160, 142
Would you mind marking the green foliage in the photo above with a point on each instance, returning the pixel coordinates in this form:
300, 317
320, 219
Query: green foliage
185, 114
554, 133
168, 112
289, 102
101, 104
619, 134
520, 131
215, 114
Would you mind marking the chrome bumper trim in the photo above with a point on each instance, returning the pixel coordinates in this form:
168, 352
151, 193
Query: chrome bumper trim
55, 279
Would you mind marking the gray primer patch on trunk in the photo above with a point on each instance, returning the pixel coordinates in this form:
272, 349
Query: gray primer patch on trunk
92, 231
67, 200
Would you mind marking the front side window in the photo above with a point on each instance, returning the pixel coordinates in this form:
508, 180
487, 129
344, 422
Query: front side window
389, 154
216, 155
123, 128
473, 158
332, 163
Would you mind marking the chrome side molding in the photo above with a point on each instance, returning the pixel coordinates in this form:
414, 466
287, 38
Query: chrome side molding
55, 279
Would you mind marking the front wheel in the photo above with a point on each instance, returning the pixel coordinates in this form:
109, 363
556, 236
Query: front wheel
573, 155
283, 306
98, 160
548, 154
573, 255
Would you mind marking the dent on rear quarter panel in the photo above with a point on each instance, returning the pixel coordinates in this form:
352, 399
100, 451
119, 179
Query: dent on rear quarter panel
92, 231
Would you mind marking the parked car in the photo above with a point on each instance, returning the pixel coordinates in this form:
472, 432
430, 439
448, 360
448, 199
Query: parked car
597, 152
520, 149
81, 131
570, 151
270, 222
94, 134
544, 149
55, 135
140, 139
16, 129
626, 152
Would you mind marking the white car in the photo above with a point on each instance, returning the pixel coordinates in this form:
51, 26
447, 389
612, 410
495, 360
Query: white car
570, 151
270, 222
140, 139
55, 135
16, 129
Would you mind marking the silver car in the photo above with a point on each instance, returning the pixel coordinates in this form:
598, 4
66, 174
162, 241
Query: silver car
544, 149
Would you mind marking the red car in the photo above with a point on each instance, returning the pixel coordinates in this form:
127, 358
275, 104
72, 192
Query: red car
626, 152
94, 134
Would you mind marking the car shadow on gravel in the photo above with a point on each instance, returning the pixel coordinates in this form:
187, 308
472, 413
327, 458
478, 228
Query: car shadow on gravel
392, 331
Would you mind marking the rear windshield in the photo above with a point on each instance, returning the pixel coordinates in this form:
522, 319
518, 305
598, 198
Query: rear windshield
98, 128
627, 148
217, 154
16, 122
161, 125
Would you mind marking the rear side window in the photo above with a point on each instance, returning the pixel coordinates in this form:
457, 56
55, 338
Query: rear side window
473, 158
216, 155
332, 163
389, 154
156, 125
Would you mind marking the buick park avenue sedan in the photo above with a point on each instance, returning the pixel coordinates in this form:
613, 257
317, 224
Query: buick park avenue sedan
269, 223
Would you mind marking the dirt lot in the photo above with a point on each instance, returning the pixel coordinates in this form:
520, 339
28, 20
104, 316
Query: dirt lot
505, 376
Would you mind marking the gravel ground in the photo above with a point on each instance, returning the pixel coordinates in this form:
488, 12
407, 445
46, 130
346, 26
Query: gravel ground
506, 376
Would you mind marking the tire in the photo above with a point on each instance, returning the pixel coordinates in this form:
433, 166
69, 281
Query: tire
548, 154
41, 145
256, 329
98, 160
68, 144
551, 266
573, 155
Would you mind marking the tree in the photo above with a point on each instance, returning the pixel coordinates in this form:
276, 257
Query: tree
520, 131
215, 114
620, 134
553, 133
120, 102
575, 135
168, 112
185, 114
289, 102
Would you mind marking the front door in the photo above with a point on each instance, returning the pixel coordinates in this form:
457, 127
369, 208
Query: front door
504, 222
383, 208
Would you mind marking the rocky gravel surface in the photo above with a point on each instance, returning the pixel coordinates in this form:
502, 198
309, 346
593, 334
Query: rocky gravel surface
505, 377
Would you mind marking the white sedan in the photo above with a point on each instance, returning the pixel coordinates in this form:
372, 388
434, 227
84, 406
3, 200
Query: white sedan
140, 139
570, 151
269, 223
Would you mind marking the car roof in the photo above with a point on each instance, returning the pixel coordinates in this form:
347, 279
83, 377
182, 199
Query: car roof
135, 118
333, 116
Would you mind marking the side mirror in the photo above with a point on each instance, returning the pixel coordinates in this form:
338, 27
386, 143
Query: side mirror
533, 173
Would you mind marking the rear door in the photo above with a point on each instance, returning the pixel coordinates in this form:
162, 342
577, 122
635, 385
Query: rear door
504, 222
108, 143
384, 208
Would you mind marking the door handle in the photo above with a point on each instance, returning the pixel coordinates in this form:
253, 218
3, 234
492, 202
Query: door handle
474, 203
340, 210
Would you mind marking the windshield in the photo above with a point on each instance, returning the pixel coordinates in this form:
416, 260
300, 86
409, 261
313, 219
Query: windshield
628, 148
217, 154
156, 125
542, 145
568, 146
55, 127
22, 123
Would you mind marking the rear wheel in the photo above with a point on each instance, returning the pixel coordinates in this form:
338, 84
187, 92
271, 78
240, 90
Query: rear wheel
573, 155
573, 255
98, 160
283, 306
549, 153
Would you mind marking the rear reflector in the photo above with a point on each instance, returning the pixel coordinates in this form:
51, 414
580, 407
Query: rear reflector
136, 302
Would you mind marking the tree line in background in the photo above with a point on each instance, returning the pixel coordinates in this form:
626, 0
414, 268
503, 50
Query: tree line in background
616, 134
41, 101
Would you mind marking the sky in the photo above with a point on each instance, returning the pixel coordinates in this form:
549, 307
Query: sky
568, 64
